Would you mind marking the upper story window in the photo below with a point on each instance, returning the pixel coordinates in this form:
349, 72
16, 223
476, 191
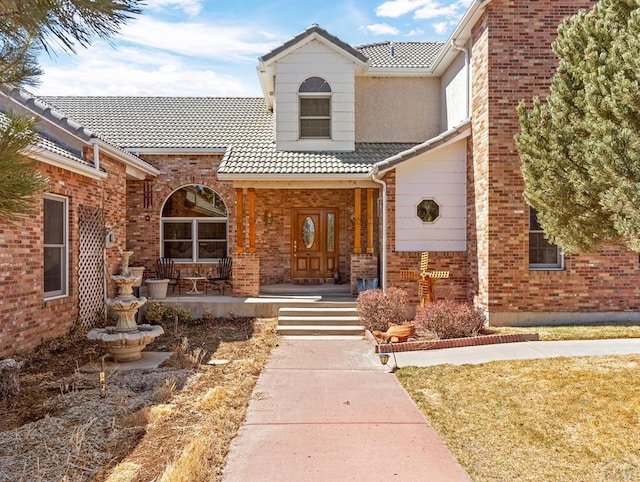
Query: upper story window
542, 254
315, 108
194, 225
56, 246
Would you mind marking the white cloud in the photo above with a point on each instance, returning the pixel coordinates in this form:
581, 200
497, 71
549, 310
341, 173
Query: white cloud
422, 9
398, 8
441, 27
190, 7
435, 10
239, 43
383, 29
414, 33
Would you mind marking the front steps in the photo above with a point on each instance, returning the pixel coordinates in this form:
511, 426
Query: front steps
320, 319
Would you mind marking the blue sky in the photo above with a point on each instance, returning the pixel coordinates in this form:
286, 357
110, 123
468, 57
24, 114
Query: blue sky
211, 47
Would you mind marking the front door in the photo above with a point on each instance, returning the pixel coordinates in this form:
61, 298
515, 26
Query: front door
314, 243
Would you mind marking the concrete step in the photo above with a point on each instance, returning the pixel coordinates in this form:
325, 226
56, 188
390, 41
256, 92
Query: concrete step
321, 319
320, 330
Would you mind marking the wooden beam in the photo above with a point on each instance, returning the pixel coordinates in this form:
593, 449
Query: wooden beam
357, 224
239, 221
369, 220
252, 219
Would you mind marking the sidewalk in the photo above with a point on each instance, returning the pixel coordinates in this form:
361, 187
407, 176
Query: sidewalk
328, 410
518, 351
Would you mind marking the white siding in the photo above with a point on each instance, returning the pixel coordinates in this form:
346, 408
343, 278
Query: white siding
441, 175
454, 94
315, 59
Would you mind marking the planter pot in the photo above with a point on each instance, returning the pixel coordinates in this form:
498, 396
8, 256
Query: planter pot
157, 288
367, 284
136, 271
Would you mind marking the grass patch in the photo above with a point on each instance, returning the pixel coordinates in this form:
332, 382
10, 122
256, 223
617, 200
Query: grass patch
591, 331
568, 419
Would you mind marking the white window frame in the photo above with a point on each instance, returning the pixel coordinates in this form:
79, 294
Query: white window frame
64, 247
558, 265
194, 237
311, 95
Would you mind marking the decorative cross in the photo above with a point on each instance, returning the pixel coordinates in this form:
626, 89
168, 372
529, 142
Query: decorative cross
426, 280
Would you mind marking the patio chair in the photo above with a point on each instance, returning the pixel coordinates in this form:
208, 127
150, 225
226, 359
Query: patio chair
223, 276
165, 269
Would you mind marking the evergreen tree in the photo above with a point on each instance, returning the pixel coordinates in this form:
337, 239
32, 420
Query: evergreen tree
27, 27
580, 147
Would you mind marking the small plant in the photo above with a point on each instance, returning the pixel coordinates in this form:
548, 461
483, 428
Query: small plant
186, 357
378, 310
158, 313
449, 319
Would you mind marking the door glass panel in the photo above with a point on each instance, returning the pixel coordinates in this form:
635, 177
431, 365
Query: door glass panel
308, 232
331, 235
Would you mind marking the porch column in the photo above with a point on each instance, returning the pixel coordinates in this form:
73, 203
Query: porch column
369, 220
357, 248
252, 219
239, 221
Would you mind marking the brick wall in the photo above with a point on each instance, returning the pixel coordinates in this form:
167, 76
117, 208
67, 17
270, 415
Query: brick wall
512, 60
26, 319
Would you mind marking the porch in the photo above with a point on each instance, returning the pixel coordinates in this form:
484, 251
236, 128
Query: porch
265, 305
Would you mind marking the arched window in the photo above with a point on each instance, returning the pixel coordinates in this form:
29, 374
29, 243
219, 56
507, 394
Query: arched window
314, 97
194, 225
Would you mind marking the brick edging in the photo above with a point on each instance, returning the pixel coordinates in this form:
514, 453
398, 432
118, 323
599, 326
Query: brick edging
450, 343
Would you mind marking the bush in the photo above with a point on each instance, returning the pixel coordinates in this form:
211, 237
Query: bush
158, 313
449, 319
378, 310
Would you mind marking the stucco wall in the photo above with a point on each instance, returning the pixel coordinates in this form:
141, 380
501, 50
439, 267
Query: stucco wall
390, 109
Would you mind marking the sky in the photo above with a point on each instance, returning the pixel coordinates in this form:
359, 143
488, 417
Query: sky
211, 47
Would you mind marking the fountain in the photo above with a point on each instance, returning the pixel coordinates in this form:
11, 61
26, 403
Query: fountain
125, 341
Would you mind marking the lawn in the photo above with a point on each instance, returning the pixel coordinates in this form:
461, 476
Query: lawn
562, 419
592, 331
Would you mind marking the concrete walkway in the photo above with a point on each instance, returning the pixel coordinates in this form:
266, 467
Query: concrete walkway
328, 410
518, 351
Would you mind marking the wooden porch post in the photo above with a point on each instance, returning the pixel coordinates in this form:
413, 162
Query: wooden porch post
239, 221
357, 248
252, 220
369, 220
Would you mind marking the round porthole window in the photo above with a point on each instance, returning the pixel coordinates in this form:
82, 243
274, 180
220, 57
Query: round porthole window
428, 210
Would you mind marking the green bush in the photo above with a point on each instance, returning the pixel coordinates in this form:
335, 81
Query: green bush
158, 313
378, 310
449, 319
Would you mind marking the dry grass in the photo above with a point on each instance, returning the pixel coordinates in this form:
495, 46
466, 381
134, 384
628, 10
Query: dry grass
562, 419
188, 437
592, 331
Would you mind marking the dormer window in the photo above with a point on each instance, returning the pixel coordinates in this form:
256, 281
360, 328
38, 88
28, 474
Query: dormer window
315, 109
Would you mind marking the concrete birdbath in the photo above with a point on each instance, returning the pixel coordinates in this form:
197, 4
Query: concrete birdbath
125, 341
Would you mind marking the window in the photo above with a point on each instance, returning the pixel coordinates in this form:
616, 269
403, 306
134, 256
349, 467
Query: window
315, 109
194, 225
56, 242
542, 253
428, 210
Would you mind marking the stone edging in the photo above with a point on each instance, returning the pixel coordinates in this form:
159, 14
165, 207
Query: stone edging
450, 343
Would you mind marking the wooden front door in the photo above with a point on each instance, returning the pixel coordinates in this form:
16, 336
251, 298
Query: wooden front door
314, 243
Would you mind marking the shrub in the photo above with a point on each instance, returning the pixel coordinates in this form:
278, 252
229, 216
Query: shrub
158, 313
378, 310
449, 319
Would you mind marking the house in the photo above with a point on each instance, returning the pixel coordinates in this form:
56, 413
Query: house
354, 161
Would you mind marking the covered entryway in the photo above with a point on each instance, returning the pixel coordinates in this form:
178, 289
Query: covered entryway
314, 242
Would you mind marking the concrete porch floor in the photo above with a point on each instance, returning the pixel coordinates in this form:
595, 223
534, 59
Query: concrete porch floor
266, 305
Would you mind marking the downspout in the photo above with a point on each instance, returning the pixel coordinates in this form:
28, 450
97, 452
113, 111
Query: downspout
468, 75
96, 155
383, 260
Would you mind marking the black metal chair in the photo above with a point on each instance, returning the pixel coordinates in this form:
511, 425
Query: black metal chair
165, 269
222, 278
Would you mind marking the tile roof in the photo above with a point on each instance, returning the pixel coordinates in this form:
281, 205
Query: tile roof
242, 126
405, 54
44, 144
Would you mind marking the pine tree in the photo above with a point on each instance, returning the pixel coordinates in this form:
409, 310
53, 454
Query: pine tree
27, 27
580, 147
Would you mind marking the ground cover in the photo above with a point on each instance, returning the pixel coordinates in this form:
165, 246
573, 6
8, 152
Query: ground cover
591, 331
174, 423
563, 419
